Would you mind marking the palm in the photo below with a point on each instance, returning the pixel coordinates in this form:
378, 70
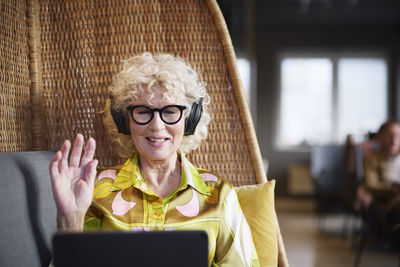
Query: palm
73, 181
71, 192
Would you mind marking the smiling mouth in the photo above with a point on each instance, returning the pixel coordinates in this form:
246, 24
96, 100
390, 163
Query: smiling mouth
157, 140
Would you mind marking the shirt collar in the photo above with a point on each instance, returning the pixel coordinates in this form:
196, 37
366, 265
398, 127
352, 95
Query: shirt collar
192, 177
129, 175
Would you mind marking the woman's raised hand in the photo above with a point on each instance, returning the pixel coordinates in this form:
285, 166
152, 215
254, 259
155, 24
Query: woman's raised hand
73, 182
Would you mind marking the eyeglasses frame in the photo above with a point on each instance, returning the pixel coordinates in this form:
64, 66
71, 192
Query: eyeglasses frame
152, 110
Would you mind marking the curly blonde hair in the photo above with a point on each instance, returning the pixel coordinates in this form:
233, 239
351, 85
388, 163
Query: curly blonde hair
147, 73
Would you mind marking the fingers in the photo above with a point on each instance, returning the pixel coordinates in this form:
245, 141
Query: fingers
89, 152
90, 172
59, 162
53, 167
76, 151
63, 162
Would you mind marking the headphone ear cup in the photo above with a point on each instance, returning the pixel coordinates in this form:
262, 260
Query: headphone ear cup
119, 118
194, 117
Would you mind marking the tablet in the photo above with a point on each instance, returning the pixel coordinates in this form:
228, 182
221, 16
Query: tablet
114, 249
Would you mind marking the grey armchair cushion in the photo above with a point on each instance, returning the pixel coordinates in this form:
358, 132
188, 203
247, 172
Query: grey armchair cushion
27, 209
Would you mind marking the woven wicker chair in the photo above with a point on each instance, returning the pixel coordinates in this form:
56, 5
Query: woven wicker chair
59, 58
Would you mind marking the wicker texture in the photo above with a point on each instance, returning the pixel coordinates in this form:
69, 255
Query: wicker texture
38, 129
15, 115
57, 59
83, 43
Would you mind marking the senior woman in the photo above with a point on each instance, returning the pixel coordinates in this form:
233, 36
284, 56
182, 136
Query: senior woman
157, 113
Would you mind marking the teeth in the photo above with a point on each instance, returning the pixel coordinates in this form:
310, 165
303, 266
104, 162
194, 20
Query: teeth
156, 139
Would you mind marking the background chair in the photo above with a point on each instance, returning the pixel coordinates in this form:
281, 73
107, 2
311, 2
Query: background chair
60, 57
352, 177
327, 170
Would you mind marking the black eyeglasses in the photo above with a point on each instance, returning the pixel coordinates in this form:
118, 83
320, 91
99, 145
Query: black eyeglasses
169, 114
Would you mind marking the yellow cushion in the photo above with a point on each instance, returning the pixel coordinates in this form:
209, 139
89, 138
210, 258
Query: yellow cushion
257, 202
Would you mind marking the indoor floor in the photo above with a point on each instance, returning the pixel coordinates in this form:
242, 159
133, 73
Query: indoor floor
311, 242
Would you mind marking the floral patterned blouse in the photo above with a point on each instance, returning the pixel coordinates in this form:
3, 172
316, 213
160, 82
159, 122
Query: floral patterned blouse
202, 201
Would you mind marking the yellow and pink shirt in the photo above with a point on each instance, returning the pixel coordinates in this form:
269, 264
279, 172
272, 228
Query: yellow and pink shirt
122, 201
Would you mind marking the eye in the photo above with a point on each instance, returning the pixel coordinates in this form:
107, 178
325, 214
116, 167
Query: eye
143, 112
171, 110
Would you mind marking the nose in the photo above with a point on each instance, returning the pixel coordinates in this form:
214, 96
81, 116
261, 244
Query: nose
156, 123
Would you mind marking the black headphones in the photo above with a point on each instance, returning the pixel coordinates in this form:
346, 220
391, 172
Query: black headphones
191, 121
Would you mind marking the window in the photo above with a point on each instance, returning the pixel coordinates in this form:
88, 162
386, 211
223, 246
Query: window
245, 73
362, 95
322, 99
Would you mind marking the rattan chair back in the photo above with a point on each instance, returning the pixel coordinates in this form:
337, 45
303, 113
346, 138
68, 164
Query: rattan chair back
15, 115
58, 59
83, 44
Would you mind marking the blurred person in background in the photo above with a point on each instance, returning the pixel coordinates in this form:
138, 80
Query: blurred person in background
379, 194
